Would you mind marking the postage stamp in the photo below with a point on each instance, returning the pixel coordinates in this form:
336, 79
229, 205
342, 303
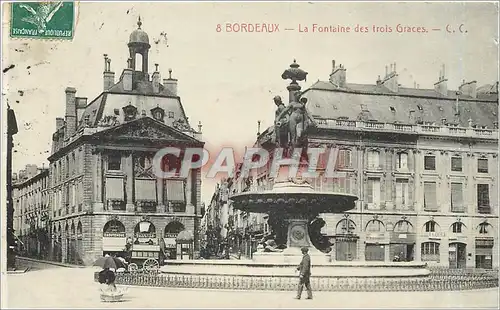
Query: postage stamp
43, 20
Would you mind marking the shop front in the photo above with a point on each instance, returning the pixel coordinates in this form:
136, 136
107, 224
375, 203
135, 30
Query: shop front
457, 255
113, 240
185, 245
484, 252
346, 247
375, 248
402, 246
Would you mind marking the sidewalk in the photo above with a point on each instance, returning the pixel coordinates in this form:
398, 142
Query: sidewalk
75, 288
46, 262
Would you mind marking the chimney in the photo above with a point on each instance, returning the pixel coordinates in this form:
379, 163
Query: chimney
59, 123
70, 116
127, 76
156, 80
391, 79
170, 84
468, 89
441, 86
108, 76
338, 75
81, 104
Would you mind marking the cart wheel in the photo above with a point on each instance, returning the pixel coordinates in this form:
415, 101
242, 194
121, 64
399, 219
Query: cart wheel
151, 264
132, 267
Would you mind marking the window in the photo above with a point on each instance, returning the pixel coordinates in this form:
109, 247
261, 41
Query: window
373, 191
170, 114
483, 228
457, 227
402, 193
483, 198
430, 199
375, 226
456, 164
402, 160
74, 163
67, 166
114, 162
373, 159
430, 251
430, 226
482, 165
393, 110
430, 162
344, 159
457, 204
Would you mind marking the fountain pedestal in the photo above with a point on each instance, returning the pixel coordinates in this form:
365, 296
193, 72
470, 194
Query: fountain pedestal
298, 238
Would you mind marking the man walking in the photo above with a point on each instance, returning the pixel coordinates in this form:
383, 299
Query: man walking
305, 274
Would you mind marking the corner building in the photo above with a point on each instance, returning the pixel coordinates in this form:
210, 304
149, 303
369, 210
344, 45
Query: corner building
103, 192
423, 162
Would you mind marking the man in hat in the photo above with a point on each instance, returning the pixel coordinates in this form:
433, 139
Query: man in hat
304, 270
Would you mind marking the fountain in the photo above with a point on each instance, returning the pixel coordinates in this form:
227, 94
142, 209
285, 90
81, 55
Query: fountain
292, 203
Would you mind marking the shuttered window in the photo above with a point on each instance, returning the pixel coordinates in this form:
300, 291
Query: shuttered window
114, 188
402, 160
483, 198
175, 190
402, 193
430, 199
145, 189
457, 204
344, 159
373, 191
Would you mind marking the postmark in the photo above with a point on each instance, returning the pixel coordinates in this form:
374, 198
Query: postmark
42, 20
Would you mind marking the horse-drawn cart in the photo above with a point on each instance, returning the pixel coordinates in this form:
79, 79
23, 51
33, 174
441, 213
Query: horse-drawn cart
145, 256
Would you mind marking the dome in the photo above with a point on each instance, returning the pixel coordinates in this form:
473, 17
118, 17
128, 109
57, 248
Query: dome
139, 35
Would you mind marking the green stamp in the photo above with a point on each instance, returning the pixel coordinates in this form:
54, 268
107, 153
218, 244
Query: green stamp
42, 20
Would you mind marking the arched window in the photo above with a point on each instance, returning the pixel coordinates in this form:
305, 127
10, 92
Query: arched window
73, 229
345, 227
431, 226
403, 226
458, 227
173, 229
430, 251
485, 230
114, 228
375, 226
79, 230
145, 229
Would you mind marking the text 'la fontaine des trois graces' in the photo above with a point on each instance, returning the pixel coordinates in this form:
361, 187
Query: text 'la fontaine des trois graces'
318, 28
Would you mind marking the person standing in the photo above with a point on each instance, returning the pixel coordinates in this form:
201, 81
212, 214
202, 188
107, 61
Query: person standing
304, 270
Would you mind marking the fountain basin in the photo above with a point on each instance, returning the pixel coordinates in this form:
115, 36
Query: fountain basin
320, 270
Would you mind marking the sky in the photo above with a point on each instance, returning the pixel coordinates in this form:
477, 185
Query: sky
227, 80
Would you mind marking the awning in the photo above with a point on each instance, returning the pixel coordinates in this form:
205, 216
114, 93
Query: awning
170, 243
113, 244
185, 236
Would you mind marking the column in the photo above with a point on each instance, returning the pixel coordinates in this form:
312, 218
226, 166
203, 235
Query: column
159, 191
189, 205
129, 171
97, 176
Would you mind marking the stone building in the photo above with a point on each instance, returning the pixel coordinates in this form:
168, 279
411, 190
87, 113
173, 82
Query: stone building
31, 216
104, 193
423, 162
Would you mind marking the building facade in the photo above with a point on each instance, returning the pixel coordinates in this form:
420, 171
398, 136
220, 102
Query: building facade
31, 213
423, 162
104, 196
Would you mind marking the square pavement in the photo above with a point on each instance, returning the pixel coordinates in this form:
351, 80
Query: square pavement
59, 287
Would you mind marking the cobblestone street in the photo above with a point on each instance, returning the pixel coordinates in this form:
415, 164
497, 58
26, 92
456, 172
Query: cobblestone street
58, 287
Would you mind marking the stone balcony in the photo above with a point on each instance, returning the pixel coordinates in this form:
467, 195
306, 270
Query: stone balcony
436, 130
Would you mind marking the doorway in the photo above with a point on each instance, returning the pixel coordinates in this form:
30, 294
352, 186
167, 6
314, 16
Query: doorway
457, 255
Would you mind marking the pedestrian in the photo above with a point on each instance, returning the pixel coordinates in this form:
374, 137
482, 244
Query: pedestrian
304, 270
107, 276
